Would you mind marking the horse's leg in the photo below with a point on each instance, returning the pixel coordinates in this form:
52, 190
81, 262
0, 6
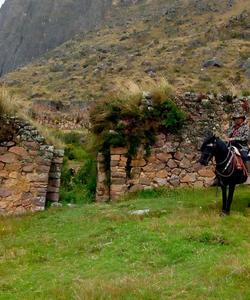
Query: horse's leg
224, 198
230, 198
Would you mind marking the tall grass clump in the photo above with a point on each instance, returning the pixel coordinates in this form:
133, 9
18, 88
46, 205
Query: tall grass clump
8, 103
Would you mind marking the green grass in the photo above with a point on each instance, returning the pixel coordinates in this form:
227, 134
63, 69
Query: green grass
181, 250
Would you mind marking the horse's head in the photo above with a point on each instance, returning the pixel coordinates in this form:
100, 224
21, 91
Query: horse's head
208, 150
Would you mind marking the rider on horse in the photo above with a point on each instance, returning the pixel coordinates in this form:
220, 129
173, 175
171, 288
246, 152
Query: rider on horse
238, 136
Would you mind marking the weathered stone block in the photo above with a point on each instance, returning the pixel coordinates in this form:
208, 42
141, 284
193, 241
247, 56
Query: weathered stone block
188, 178
115, 157
138, 163
13, 167
56, 175
118, 151
28, 168
3, 150
34, 153
179, 155
162, 174
118, 181
4, 174
122, 164
43, 177
54, 197
102, 177
174, 180
43, 161
206, 172
8, 158
57, 160
54, 182
185, 163
176, 171
198, 184
100, 157
145, 181
150, 175
39, 203
135, 188
31, 145
170, 147
164, 156
161, 181
5, 192
172, 164
119, 175
118, 188
124, 159
43, 169
114, 163
20, 151
14, 175
58, 152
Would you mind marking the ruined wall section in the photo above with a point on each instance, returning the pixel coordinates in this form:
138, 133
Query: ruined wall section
173, 159
25, 170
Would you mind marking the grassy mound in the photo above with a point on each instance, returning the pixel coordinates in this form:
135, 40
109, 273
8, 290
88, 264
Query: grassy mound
181, 249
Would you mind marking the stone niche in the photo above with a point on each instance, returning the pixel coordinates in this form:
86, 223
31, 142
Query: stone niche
30, 169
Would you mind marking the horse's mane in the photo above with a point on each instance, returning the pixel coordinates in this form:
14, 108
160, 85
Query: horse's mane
211, 138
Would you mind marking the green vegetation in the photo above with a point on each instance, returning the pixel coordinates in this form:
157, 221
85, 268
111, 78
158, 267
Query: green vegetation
78, 181
181, 249
135, 120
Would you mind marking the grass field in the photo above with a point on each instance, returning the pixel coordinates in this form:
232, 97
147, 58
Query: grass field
181, 249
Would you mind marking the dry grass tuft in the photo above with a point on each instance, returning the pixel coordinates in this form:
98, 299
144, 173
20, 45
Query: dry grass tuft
8, 103
128, 89
12, 106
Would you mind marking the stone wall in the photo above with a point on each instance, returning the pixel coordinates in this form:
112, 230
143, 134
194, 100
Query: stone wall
29, 170
173, 159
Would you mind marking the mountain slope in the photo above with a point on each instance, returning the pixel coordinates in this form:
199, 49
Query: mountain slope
28, 28
144, 43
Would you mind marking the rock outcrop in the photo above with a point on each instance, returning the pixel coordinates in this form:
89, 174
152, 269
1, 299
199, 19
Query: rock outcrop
29, 28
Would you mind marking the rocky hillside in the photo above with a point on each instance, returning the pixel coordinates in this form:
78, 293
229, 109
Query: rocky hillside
194, 45
28, 28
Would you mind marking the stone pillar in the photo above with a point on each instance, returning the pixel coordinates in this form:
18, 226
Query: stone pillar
55, 176
102, 187
118, 175
40, 175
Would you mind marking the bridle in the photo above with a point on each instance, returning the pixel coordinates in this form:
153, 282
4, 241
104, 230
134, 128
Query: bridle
227, 160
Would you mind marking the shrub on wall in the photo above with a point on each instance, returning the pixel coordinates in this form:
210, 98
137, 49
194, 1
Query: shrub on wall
135, 120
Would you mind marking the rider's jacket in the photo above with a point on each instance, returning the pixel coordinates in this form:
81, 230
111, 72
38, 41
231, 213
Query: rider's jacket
240, 136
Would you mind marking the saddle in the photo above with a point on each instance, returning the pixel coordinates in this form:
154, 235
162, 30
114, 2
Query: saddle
238, 161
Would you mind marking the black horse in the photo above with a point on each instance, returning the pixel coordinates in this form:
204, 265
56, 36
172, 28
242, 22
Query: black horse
230, 169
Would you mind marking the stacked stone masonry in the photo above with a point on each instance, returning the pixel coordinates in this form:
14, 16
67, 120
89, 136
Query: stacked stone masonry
30, 170
173, 159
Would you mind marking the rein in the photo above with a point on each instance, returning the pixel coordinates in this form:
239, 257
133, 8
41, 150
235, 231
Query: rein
227, 165
221, 163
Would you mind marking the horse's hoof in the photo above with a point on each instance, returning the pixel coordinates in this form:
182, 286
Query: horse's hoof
224, 213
